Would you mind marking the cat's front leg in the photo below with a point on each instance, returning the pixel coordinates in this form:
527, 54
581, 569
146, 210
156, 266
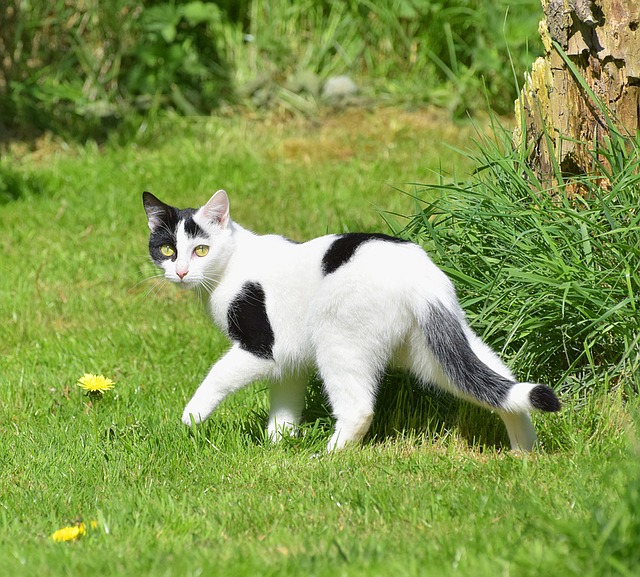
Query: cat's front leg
236, 369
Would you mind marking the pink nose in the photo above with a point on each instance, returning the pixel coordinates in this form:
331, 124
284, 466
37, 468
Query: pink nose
182, 274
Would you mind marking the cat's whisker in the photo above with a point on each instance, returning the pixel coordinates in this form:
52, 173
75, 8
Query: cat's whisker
145, 280
153, 291
210, 283
159, 283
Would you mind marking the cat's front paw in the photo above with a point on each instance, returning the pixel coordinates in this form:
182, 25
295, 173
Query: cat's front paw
192, 416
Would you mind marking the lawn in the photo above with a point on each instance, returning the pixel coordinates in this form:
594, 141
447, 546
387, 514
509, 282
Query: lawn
431, 492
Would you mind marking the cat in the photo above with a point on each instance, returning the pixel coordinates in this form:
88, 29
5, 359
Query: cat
346, 305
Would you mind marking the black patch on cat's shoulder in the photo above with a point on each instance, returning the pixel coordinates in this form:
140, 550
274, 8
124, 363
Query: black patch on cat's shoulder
248, 323
343, 248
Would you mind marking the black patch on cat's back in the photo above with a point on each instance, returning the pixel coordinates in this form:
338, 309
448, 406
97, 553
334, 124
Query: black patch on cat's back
248, 323
343, 248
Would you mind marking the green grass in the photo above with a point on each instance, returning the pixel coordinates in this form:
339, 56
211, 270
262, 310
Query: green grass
431, 492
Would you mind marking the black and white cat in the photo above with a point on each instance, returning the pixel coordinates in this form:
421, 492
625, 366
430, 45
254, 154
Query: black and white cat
347, 305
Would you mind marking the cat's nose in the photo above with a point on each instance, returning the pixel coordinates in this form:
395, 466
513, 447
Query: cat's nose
182, 273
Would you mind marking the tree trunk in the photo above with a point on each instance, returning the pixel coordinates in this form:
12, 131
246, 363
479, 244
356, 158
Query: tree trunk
559, 119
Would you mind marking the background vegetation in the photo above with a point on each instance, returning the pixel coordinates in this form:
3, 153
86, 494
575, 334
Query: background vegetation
83, 68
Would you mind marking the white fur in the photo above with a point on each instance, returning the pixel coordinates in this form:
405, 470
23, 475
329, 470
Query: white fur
349, 324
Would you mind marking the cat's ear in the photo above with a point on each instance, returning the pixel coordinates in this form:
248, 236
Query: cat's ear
156, 209
217, 209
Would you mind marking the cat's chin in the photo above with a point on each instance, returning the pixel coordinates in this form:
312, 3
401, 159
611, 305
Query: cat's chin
186, 284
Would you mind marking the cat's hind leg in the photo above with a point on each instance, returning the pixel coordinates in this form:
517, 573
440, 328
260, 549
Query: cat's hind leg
351, 384
236, 369
522, 434
352, 402
287, 403
356, 325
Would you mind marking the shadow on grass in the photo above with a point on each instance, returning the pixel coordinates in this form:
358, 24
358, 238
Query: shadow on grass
15, 184
402, 407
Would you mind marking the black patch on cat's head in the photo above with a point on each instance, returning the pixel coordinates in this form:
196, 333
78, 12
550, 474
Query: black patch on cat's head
191, 227
343, 248
163, 221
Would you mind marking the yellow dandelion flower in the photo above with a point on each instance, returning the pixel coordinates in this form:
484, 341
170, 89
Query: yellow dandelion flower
69, 533
96, 384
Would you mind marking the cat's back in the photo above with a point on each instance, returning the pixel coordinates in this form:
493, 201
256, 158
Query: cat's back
288, 272
277, 258
373, 289
355, 255
349, 259
380, 268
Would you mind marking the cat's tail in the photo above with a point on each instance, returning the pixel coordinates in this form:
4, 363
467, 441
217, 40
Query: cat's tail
471, 377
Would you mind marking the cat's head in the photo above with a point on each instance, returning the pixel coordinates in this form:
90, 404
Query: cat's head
191, 245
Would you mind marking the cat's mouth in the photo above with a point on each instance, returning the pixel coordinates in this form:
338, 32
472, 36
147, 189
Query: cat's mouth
185, 282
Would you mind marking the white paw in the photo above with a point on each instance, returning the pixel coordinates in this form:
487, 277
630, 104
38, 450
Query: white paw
277, 431
192, 414
334, 444
349, 433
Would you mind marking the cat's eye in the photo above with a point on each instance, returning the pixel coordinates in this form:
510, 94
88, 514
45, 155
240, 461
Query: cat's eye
201, 250
167, 250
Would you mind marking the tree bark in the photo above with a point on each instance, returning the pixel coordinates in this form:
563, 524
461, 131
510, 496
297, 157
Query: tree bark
559, 121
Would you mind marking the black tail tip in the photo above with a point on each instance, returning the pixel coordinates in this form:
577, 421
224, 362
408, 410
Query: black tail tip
543, 398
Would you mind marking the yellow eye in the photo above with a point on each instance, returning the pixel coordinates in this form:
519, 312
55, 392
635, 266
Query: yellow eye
201, 250
167, 250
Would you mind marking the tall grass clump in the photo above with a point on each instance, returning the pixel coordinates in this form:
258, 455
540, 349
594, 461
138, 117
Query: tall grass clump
549, 274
